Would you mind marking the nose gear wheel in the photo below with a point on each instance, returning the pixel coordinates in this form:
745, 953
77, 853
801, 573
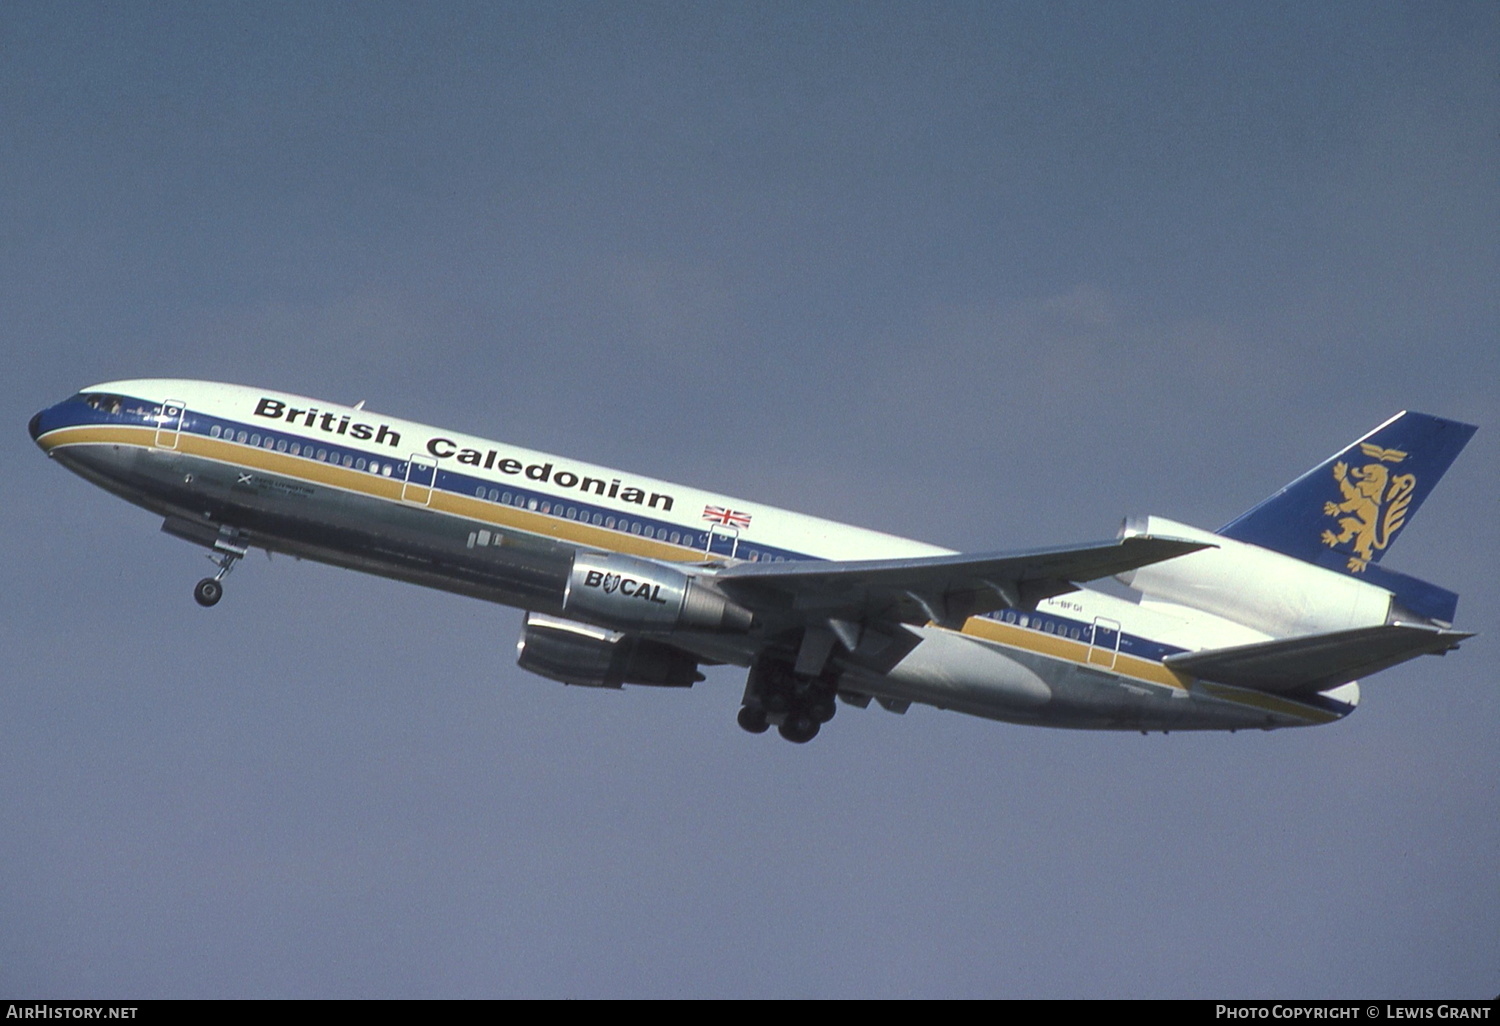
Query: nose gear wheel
229, 548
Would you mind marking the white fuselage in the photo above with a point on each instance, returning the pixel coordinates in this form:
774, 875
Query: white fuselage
360, 489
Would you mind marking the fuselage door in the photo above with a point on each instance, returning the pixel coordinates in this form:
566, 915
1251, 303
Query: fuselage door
421, 476
722, 541
1104, 642
169, 423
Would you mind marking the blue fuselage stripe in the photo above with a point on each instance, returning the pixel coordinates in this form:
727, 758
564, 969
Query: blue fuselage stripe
341, 450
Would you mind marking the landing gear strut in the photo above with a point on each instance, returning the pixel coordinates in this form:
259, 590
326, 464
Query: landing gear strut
798, 705
229, 548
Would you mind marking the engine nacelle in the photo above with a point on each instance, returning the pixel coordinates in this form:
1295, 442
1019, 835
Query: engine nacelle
1265, 590
578, 653
637, 594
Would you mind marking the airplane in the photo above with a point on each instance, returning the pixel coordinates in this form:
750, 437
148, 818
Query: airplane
1267, 622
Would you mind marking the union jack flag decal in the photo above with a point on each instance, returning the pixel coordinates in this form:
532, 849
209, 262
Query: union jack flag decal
727, 517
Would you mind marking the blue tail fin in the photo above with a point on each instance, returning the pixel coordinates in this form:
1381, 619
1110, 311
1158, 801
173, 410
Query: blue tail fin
1346, 512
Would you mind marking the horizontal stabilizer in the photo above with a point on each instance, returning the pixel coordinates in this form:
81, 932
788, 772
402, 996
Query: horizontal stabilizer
1316, 662
943, 589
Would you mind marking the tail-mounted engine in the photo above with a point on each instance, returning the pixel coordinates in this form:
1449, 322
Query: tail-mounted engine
1265, 590
637, 594
577, 653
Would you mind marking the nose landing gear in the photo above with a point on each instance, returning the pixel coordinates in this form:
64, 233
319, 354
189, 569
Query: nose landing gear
229, 548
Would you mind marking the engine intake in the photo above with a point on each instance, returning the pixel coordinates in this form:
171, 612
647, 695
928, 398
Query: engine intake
577, 653
1261, 589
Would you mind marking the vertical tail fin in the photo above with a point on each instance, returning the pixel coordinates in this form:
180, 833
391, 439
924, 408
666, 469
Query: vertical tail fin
1346, 512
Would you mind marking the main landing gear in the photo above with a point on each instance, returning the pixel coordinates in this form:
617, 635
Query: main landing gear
229, 548
797, 705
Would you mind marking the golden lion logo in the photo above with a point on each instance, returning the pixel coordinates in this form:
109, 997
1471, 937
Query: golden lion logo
1377, 501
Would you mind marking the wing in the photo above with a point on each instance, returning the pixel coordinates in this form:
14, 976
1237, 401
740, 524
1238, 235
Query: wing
942, 589
1316, 662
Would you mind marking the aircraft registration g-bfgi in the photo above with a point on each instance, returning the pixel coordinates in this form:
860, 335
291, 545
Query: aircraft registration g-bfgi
1265, 623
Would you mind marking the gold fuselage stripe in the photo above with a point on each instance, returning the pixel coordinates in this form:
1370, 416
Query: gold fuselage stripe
1073, 651
301, 468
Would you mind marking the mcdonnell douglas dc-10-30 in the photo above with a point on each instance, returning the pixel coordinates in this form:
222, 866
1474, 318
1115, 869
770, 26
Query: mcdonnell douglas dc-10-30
1265, 623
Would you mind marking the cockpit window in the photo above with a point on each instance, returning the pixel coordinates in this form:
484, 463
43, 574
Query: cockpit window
104, 403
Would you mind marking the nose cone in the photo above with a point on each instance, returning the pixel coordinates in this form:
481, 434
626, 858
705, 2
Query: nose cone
35, 427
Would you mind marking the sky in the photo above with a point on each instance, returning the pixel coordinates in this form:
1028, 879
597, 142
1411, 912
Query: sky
987, 275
